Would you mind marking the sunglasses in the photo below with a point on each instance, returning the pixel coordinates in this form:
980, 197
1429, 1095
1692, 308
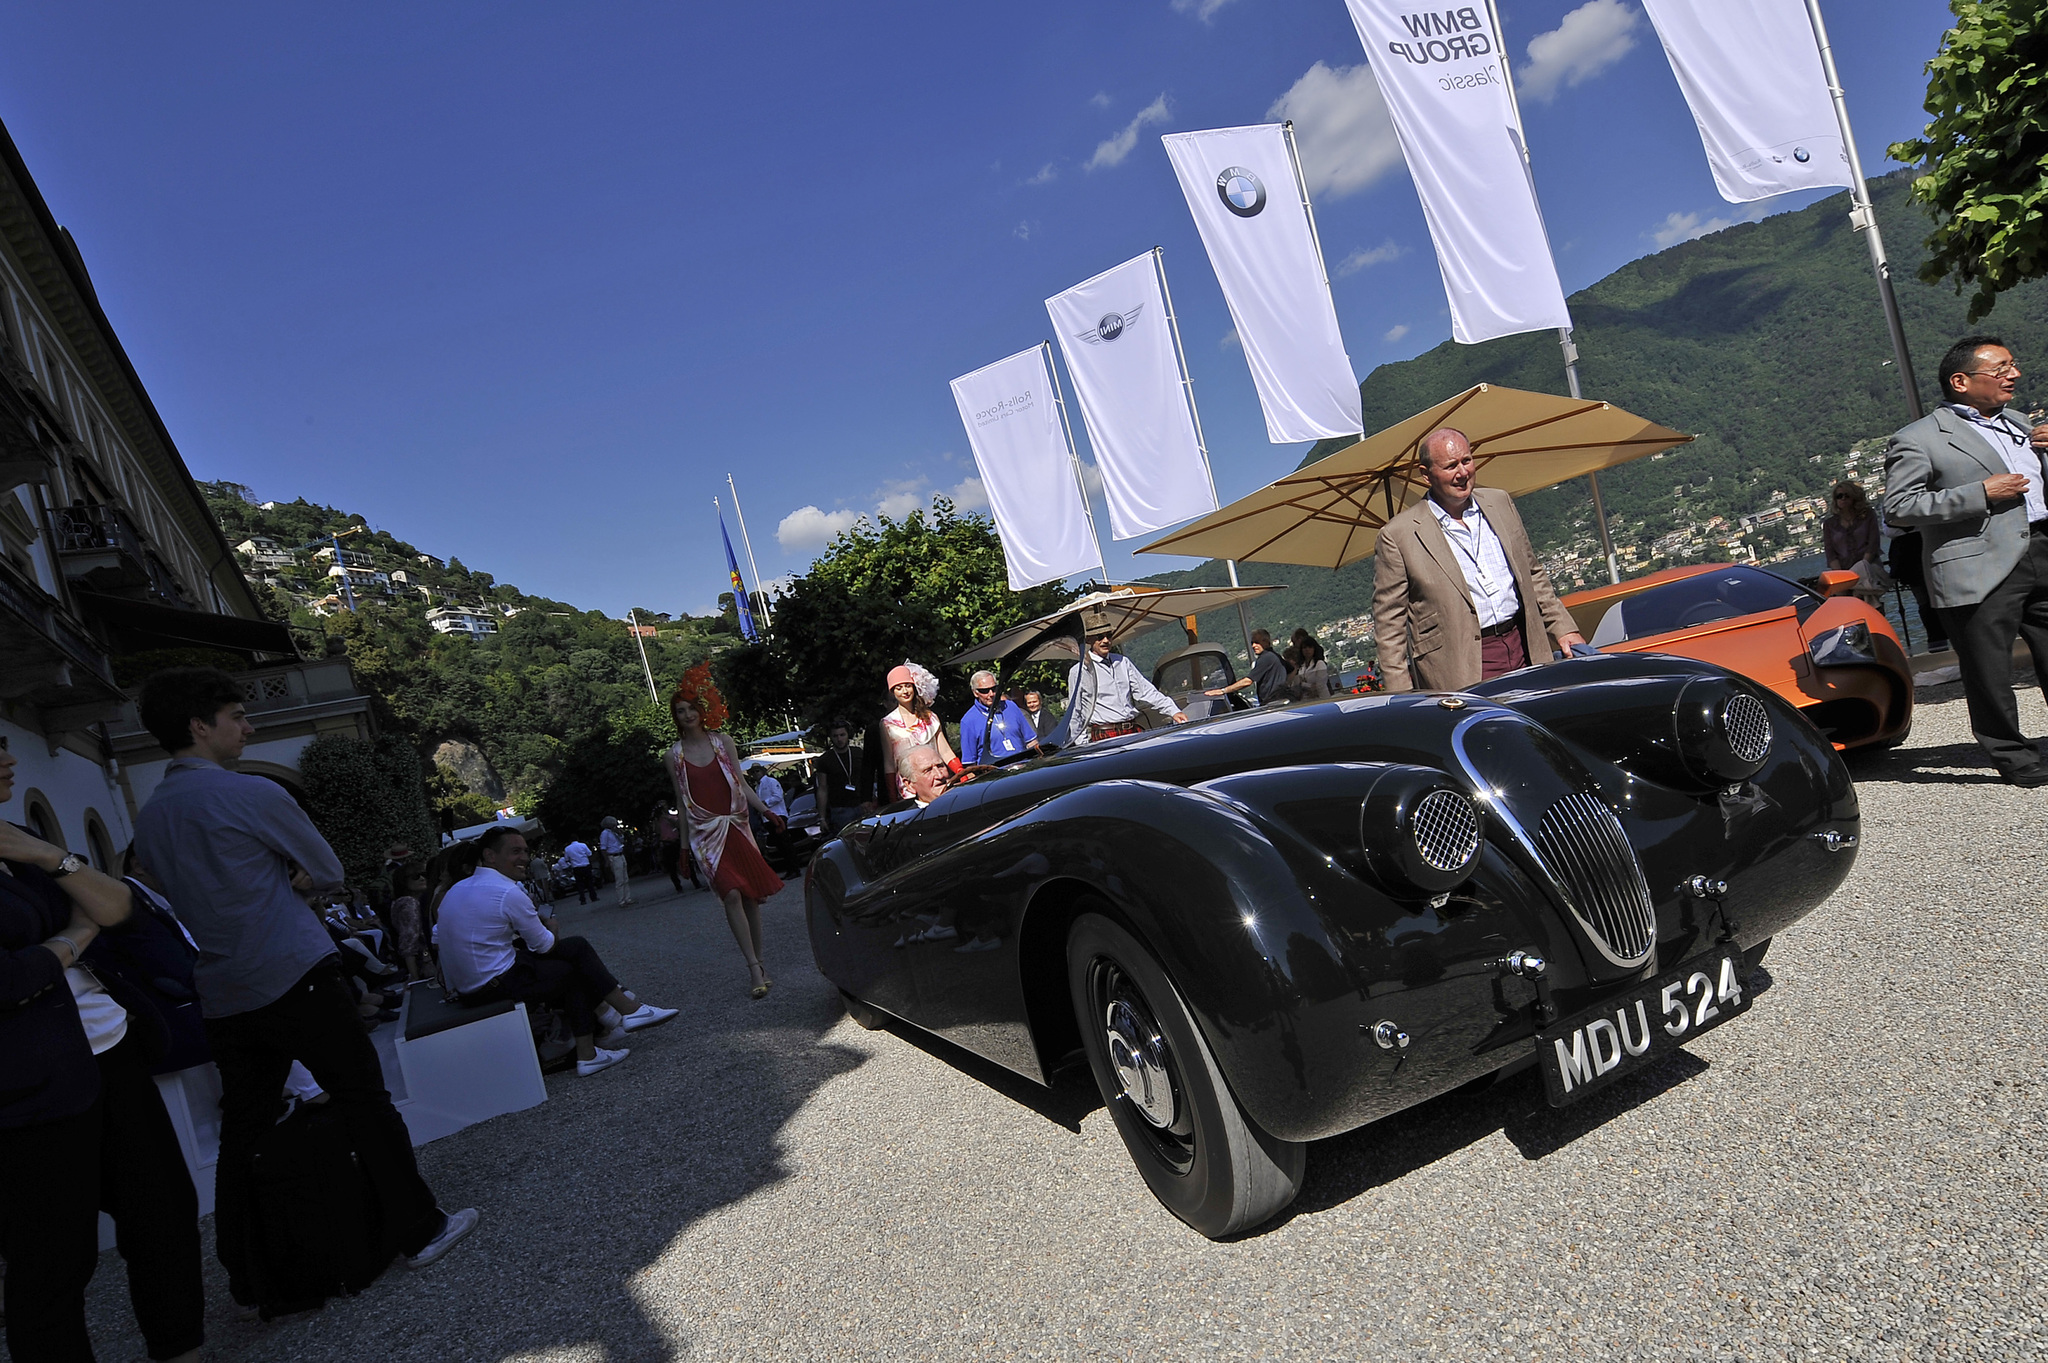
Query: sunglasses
984, 690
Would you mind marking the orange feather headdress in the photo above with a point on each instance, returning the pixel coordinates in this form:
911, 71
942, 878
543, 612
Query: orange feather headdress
696, 688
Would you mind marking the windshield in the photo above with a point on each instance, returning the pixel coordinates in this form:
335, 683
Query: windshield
1723, 594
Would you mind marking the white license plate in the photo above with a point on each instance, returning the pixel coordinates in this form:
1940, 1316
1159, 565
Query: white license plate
1629, 1032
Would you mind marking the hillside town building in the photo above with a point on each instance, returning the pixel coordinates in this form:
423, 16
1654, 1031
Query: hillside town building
111, 564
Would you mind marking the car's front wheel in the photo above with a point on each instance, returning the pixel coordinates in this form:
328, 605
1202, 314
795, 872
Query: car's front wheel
1197, 1150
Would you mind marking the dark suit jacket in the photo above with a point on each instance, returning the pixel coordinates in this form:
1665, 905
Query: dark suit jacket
1423, 617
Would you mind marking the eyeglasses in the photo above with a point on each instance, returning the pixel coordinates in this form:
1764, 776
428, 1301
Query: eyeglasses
984, 690
2008, 370
1843, 497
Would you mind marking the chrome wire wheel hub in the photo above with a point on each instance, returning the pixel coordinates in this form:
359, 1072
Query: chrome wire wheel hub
1138, 1055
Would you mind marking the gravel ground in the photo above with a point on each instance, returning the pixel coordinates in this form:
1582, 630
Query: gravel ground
1852, 1171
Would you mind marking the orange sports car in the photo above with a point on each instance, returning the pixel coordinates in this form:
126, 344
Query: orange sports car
1826, 652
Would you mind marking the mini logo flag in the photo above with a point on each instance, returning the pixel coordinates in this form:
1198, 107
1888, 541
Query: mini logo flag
1118, 344
1751, 71
739, 588
1241, 187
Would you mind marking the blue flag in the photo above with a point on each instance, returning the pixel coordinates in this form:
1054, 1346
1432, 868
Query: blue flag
739, 588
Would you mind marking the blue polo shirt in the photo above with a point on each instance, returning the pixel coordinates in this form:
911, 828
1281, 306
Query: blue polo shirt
991, 738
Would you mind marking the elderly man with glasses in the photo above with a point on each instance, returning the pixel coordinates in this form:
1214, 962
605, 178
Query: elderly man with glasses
994, 727
1971, 478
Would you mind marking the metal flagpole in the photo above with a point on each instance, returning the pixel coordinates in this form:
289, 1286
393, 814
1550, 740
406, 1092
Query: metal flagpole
1059, 399
1187, 384
1863, 216
1565, 343
767, 615
633, 619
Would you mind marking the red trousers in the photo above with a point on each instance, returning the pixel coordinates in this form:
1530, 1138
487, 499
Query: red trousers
1500, 653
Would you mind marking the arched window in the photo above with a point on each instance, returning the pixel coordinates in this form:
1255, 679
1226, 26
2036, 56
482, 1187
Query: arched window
40, 819
98, 845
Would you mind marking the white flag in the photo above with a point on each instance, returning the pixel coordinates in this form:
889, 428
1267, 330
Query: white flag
1027, 468
1440, 71
1751, 71
1240, 185
1114, 334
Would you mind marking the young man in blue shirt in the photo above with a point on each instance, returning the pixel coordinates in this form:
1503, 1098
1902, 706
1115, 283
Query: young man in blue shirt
227, 848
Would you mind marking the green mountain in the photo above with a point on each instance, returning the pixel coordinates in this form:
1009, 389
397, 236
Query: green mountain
1765, 340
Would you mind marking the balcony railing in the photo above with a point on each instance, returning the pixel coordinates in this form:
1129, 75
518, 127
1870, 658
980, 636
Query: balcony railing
100, 547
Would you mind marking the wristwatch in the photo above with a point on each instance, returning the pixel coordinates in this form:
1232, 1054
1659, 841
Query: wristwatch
72, 862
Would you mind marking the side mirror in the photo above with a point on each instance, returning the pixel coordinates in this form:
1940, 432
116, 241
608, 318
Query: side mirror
1837, 583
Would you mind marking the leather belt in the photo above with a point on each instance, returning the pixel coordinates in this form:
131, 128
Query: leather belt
1098, 732
1511, 625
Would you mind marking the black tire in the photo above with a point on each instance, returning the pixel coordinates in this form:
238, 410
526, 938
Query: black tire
1198, 1152
871, 1018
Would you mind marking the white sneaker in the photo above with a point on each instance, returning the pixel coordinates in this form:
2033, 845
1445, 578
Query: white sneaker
647, 1015
603, 1060
459, 1224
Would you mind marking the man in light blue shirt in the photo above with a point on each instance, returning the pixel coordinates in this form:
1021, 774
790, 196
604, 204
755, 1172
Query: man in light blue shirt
227, 848
993, 727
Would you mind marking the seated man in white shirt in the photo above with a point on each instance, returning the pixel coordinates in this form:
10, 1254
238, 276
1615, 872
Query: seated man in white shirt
484, 923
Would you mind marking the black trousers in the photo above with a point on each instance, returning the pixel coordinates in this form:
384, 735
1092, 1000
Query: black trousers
586, 884
120, 1156
315, 1023
671, 863
1983, 635
569, 974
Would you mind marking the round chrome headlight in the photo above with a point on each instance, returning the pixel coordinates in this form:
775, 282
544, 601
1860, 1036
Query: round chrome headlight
1420, 831
1723, 730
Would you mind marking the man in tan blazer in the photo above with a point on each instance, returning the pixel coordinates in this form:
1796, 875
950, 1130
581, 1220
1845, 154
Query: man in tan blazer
1455, 581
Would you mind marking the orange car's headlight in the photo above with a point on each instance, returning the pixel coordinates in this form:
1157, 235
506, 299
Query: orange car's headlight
1844, 646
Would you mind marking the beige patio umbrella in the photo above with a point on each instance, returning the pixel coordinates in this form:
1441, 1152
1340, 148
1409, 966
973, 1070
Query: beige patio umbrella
1330, 513
1131, 610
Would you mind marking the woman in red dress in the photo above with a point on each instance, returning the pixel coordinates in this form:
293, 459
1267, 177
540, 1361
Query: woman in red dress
705, 770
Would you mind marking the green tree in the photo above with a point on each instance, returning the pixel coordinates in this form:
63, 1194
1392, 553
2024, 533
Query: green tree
1986, 152
365, 795
923, 588
614, 768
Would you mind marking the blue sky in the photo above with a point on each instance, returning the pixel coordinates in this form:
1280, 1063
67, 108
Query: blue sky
524, 283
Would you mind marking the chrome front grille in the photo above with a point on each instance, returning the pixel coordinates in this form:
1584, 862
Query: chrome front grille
1446, 829
1585, 847
1748, 726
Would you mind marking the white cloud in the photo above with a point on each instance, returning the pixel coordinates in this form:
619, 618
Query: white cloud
1363, 257
1091, 479
1047, 173
1341, 125
901, 497
809, 528
969, 495
1230, 341
1395, 333
1679, 227
1100, 99
1112, 151
1205, 10
1022, 231
1591, 38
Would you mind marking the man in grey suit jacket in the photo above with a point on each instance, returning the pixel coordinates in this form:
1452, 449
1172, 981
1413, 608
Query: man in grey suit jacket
1970, 475
1458, 595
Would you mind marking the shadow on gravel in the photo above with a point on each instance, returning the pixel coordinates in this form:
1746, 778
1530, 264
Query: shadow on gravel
1066, 1104
1952, 764
1344, 1167
585, 1193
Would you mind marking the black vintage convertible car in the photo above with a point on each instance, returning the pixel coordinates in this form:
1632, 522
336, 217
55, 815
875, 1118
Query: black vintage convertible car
1277, 926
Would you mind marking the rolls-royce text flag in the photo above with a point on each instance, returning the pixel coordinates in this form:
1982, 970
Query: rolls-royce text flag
1027, 467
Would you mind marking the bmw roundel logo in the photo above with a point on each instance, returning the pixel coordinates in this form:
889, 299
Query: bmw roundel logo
1801, 155
1111, 326
1241, 191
